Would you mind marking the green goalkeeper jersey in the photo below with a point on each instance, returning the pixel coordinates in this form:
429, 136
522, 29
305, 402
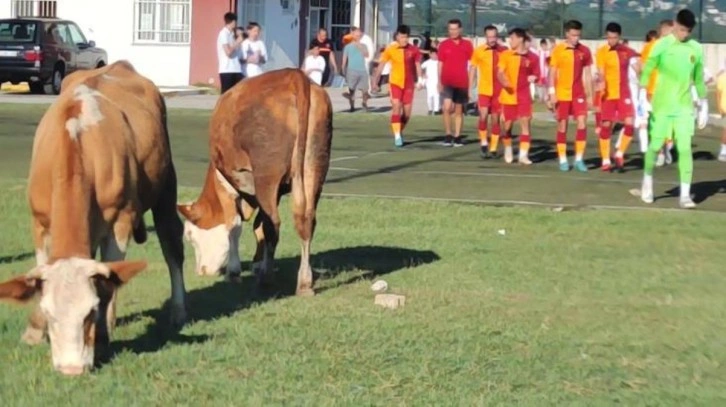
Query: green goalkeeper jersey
679, 65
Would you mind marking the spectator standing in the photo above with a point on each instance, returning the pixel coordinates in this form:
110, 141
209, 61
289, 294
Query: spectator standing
254, 52
354, 67
314, 65
228, 53
326, 51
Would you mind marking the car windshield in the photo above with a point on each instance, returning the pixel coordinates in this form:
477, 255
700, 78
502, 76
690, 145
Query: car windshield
17, 31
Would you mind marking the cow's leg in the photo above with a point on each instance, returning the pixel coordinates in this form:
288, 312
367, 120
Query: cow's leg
267, 227
113, 248
37, 324
170, 230
305, 198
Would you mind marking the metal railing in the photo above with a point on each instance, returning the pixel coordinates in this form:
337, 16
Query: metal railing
33, 8
162, 21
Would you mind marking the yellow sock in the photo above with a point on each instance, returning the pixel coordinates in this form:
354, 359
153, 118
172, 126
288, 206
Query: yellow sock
605, 149
483, 137
562, 151
495, 143
579, 149
624, 144
396, 128
524, 147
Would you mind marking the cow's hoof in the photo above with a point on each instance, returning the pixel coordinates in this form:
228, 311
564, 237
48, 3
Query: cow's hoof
178, 317
305, 292
33, 336
233, 278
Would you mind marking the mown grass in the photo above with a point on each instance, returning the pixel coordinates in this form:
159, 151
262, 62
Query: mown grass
561, 308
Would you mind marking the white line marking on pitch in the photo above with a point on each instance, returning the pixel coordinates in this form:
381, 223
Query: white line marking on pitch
508, 202
494, 174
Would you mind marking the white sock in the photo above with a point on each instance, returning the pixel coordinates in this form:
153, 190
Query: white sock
578, 157
723, 148
648, 182
563, 160
397, 135
685, 191
643, 139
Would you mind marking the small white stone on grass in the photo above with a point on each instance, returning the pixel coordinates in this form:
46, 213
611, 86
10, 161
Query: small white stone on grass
502, 232
379, 286
391, 301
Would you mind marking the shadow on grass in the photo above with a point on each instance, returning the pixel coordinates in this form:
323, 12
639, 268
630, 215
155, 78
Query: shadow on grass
225, 299
701, 191
16, 257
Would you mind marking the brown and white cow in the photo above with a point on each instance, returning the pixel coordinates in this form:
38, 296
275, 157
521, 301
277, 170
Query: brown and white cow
268, 135
101, 158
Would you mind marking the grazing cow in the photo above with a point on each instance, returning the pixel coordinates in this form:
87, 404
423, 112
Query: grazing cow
268, 135
101, 159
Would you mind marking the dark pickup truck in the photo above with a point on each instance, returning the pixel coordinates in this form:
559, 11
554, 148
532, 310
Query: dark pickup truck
42, 51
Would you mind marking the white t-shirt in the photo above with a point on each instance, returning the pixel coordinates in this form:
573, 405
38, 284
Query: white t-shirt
431, 71
314, 62
249, 48
227, 64
368, 42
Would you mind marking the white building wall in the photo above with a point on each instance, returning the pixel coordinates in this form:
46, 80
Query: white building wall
281, 33
110, 23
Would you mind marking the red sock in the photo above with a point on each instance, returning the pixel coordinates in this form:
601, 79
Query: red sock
562, 145
580, 140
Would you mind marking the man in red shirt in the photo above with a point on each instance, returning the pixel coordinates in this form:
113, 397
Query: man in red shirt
454, 55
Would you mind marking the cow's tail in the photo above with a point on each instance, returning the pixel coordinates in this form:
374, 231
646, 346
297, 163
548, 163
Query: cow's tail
303, 117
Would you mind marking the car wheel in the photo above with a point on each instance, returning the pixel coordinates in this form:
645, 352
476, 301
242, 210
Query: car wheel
37, 88
100, 64
56, 80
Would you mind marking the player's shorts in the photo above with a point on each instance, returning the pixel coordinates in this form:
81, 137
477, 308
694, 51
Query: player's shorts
597, 99
617, 110
491, 103
665, 127
518, 111
460, 96
405, 95
574, 108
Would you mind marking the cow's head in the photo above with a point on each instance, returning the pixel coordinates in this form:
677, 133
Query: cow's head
74, 297
212, 225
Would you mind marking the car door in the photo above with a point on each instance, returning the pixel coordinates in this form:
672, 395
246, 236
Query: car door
85, 57
67, 48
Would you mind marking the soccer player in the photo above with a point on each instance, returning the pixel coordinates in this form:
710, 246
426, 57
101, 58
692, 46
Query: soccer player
454, 55
484, 63
569, 91
679, 61
518, 68
405, 60
664, 28
613, 62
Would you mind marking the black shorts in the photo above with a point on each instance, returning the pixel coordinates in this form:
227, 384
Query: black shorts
460, 96
228, 80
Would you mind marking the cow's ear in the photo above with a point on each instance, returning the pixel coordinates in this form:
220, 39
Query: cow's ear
120, 272
189, 211
20, 289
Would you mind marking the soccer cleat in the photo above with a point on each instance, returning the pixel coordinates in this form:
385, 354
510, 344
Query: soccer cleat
606, 167
620, 163
448, 140
508, 155
457, 142
686, 203
580, 166
484, 152
660, 161
564, 166
524, 160
398, 141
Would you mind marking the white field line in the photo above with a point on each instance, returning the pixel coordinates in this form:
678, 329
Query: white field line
495, 174
507, 202
355, 157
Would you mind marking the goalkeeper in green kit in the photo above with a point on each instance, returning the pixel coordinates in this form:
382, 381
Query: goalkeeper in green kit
679, 61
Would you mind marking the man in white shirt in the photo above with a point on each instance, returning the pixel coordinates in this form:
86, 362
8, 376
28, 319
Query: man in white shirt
228, 53
254, 52
314, 65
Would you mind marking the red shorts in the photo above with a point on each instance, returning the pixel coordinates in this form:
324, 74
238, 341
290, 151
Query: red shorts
597, 99
575, 108
617, 110
405, 95
491, 103
515, 112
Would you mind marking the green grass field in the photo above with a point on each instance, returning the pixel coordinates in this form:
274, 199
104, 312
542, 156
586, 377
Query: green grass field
567, 307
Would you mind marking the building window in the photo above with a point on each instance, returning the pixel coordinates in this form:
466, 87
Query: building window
339, 21
288, 6
252, 10
162, 22
33, 8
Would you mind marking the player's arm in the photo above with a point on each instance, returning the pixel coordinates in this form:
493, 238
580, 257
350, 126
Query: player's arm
382, 61
501, 74
473, 66
419, 71
698, 76
344, 61
600, 69
552, 79
587, 76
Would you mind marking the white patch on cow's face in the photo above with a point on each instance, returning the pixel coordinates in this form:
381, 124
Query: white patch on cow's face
90, 111
211, 246
70, 302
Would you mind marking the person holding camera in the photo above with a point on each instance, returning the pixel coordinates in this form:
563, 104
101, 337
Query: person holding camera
228, 47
